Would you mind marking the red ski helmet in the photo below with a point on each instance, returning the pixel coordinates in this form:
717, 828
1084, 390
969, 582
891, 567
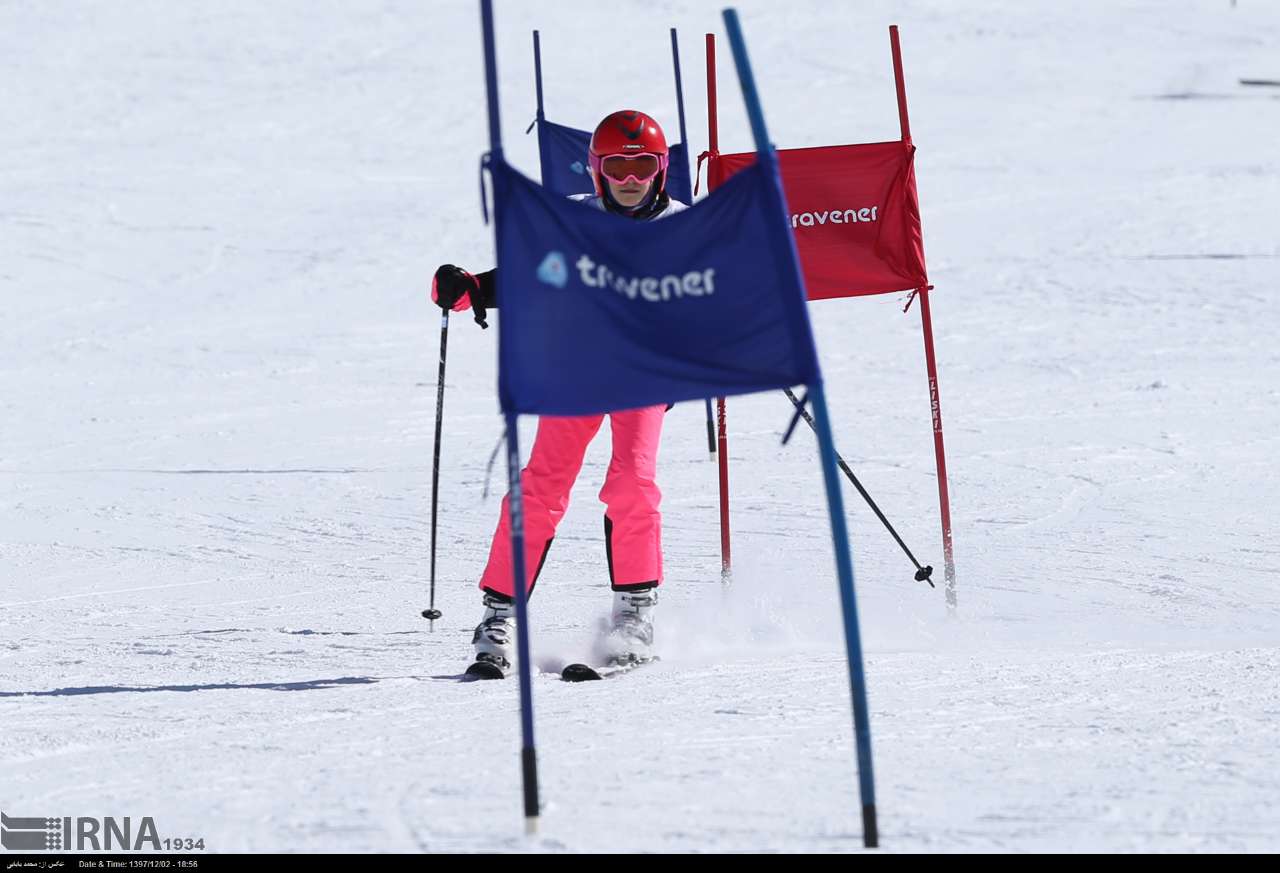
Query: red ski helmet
628, 135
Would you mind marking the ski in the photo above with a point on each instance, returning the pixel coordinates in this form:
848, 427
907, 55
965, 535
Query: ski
587, 673
483, 670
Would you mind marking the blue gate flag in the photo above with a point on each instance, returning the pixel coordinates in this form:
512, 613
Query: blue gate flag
603, 313
562, 153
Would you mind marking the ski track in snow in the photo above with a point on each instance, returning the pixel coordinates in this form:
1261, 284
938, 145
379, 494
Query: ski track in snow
217, 363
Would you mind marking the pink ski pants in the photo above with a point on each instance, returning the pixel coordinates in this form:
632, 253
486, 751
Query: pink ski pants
633, 525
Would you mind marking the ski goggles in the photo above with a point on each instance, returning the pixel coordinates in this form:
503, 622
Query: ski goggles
640, 167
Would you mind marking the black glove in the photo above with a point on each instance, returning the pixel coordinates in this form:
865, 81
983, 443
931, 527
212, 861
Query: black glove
451, 284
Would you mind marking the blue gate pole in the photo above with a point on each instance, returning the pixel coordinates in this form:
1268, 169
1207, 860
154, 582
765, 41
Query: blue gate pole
835, 500
684, 138
849, 608
528, 750
675, 61
491, 77
537, 72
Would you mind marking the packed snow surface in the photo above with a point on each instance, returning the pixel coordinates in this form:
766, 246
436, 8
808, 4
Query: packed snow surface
218, 224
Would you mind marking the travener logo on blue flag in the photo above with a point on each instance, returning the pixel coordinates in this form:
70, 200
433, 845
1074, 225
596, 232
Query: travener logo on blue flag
562, 155
602, 313
553, 270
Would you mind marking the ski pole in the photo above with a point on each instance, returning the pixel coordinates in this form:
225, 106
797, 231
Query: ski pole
711, 429
431, 612
922, 573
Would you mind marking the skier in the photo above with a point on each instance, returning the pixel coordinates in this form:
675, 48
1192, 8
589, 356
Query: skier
628, 158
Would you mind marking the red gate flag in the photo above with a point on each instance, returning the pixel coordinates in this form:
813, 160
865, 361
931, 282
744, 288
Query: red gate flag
854, 213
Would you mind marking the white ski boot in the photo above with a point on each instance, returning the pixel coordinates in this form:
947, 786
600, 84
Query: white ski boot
495, 639
630, 641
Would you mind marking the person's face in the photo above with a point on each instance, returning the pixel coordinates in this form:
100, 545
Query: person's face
629, 193
630, 177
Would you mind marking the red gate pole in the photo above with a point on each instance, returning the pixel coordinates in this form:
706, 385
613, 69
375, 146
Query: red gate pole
722, 436
926, 322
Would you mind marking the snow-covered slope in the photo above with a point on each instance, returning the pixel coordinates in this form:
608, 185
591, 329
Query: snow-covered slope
217, 388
